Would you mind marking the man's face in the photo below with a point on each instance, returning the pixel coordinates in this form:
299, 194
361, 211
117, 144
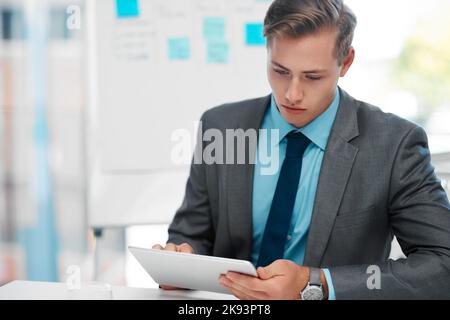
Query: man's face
303, 74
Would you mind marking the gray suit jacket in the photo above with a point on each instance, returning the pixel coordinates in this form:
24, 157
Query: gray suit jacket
376, 181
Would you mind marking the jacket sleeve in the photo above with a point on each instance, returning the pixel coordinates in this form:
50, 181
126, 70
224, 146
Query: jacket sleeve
192, 221
419, 214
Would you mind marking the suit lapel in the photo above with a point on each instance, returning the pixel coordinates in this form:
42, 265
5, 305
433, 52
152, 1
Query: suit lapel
239, 188
335, 172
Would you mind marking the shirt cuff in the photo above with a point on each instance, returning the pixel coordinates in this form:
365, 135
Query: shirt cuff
331, 293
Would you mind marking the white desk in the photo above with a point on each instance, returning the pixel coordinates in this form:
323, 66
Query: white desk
31, 290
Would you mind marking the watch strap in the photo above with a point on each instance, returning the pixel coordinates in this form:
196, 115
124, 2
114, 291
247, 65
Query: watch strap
314, 277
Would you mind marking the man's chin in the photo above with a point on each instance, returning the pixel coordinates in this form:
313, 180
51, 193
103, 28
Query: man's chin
298, 123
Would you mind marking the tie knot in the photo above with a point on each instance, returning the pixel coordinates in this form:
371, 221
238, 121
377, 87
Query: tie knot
297, 143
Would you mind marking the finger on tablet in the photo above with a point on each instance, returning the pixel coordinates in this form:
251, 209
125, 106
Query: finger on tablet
185, 247
157, 246
170, 247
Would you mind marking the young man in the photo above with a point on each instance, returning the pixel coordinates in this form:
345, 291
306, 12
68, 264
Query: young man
350, 178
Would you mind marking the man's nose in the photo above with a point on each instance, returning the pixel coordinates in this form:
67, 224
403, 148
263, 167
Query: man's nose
294, 94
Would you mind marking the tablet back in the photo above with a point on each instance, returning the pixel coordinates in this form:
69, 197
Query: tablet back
190, 271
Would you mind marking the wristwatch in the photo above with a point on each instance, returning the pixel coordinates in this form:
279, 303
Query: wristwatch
313, 290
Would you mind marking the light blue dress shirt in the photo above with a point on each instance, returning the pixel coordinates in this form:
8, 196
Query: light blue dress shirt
264, 184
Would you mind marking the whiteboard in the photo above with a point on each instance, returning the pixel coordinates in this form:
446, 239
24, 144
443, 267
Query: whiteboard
154, 68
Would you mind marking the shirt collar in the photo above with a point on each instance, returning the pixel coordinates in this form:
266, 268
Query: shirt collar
317, 130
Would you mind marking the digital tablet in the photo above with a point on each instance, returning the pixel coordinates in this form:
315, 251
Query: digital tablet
189, 271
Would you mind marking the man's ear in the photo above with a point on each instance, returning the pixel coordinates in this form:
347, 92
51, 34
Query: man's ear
348, 61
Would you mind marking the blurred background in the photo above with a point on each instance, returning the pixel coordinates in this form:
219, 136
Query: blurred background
402, 66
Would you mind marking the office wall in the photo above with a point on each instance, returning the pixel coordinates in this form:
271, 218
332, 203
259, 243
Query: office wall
155, 67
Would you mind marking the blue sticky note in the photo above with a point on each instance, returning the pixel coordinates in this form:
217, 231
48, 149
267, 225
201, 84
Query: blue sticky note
214, 28
179, 48
254, 34
217, 52
127, 8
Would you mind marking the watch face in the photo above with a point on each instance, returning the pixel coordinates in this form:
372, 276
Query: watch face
312, 293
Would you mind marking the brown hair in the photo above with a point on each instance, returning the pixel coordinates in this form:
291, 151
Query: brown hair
296, 18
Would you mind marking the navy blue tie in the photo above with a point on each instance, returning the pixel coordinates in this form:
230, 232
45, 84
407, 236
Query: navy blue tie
279, 220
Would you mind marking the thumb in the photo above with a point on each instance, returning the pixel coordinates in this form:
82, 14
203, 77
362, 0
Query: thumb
265, 273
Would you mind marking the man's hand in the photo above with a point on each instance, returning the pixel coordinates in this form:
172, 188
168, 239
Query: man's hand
283, 279
184, 247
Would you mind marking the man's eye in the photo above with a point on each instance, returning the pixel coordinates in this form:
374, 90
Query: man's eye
313, 78
282, 72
